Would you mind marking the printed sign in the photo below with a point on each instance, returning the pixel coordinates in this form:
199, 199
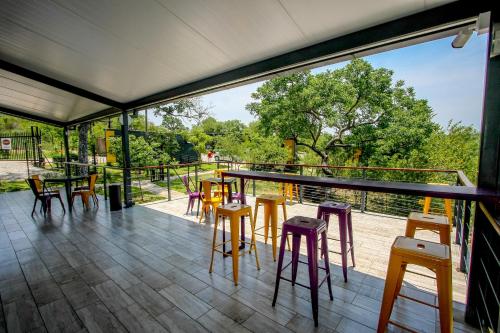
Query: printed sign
6, 143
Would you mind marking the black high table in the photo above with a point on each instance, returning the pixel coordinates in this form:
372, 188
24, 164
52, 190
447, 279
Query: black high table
67, 181
435, 191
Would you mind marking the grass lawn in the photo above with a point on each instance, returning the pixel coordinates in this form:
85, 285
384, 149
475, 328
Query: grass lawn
13, 185
136, 195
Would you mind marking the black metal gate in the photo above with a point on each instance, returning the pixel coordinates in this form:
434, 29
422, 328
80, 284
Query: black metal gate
23, 146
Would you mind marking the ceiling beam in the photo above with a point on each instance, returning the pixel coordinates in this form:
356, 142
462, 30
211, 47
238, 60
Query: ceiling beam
20, 114
390, 32
95, 116
57, 84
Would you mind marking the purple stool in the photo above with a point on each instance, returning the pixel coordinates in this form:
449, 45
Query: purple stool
192, 195
343, 211
310, 228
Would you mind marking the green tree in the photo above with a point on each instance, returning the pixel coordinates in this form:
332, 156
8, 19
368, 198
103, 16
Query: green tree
456, 147
142, 152
188, 109
354, 106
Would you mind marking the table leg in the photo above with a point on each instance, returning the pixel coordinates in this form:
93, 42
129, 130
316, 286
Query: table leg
67, 187
243, 202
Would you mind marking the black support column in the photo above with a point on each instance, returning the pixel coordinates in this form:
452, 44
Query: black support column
483, 289
127, 178
67, 167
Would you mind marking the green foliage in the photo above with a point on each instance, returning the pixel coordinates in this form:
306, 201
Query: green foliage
456, 148
187, 109
142, 152
333, 112
258, 148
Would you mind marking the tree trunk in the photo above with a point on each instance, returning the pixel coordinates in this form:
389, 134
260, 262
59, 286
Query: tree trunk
83, 147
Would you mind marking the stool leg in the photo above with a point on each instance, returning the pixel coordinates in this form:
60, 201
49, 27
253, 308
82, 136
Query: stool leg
391, 281
443, 281
448, 210
274, 229
401, 277
255, 212
312, 259
410, 229
280, 266
214, 242
427, 205
324, 247
235, 245
252, 228
343, 242
284, 219
351, 241
267, 215
295, 256
445, 236
326, 217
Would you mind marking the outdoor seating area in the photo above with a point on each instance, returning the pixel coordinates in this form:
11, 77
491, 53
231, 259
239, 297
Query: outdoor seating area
147, 267
239, 166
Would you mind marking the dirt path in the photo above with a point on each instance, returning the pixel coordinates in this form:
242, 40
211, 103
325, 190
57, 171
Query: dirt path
17, 170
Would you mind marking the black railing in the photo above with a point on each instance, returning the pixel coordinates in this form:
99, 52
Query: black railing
483, 305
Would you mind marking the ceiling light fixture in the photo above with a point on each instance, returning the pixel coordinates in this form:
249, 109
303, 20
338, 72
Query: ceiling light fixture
481, 27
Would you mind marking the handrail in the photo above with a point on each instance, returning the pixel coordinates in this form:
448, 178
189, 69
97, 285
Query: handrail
289, 165
494, 223
464, 181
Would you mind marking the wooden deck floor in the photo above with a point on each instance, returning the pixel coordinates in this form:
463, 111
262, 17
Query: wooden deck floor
144, 269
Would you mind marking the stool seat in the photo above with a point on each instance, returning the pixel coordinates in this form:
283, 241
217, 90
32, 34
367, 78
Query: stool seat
428, 218
232, 208
419, 250
434, 256
422, 221
311, 228
302, 224
276, 198
335, 207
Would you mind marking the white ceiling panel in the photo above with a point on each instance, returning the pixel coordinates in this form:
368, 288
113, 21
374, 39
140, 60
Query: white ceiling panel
128, 49
22, 94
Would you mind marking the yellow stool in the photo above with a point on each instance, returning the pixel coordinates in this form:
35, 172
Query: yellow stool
270, 203
432, 255
289, 190
447, 205
207, 200
234, 211
437, 223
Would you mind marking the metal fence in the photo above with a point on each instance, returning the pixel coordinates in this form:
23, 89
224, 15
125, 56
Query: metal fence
25, 146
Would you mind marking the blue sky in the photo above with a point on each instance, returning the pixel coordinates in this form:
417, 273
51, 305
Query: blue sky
450, 79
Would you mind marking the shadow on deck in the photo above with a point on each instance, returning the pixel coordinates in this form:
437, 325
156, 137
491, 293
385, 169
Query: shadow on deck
146, 268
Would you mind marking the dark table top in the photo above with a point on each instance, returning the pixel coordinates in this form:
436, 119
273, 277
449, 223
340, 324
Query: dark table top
64, 179
219, 180
436, 191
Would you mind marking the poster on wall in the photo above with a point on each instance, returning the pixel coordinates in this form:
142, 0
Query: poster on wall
6, 143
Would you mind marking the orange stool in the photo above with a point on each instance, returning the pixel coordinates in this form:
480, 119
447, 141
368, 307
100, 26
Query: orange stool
234, 211
218, 192
437, 223
289, 190
447, 205
270, 203
208, 201
432, 255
